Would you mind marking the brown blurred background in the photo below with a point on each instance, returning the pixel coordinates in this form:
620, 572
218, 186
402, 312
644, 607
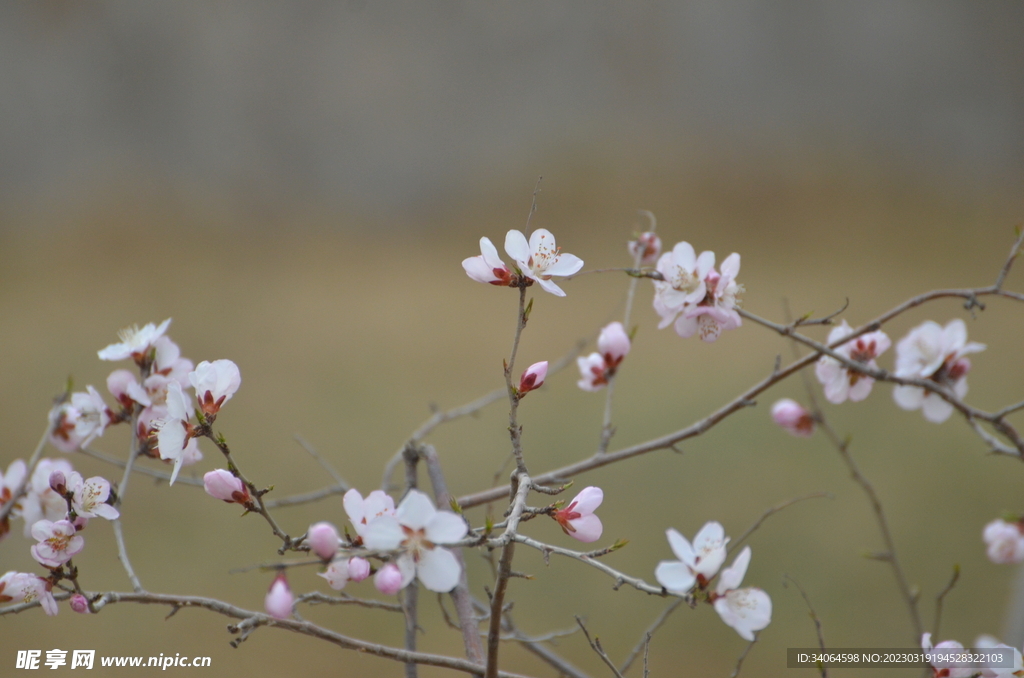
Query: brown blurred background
296, 185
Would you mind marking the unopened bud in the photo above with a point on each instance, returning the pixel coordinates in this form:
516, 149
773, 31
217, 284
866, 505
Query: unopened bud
358, 568
58, 483
533, 377
388, 580
79, 603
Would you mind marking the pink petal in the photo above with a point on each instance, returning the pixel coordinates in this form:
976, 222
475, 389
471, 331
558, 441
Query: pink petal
588, 528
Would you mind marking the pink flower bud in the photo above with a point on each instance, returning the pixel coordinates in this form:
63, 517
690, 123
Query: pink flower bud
358, 568
79, 603
792, 416
578, 519
58, 482
388, 580
613, 345
323, 540
648, 246
220, 484
533, 377
278, 602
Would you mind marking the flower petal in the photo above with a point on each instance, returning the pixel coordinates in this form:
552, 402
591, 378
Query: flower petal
588, 528
445, 527
567, 264
675, 576
438, 569
383, 534
681, 547
416, 510
517, 247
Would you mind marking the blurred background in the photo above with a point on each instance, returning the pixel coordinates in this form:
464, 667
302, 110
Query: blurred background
296, 185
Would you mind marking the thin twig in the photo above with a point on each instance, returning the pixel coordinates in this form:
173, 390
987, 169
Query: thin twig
939, 599
646, 640
842, 447
317, 598
595, 645
343, 486
739, 662
144, 470
814, 617
122, 489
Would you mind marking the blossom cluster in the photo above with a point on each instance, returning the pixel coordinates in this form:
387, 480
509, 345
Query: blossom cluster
928, 352
158, 401
695, 298
746, 610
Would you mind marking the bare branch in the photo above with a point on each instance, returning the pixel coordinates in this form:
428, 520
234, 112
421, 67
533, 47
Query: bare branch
645, 642
595, 645
814, 617
251, 620
942, 596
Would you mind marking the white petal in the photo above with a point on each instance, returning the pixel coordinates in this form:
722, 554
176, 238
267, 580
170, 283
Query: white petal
407, 567
445, 527
731, 266
477, 269
908, 397
862, 389
517, 247
686, 327
746, 611
438, 569
567, 264
675, 576
550, 287
712, 535
416, 510
954, 335
837, 390
490, 254
684, 256
732, 576
383, 534
706, 262
353, 503
681, 547
935, 409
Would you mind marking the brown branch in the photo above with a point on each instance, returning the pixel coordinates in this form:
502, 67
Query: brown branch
461, 597
251, 620
504, 573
